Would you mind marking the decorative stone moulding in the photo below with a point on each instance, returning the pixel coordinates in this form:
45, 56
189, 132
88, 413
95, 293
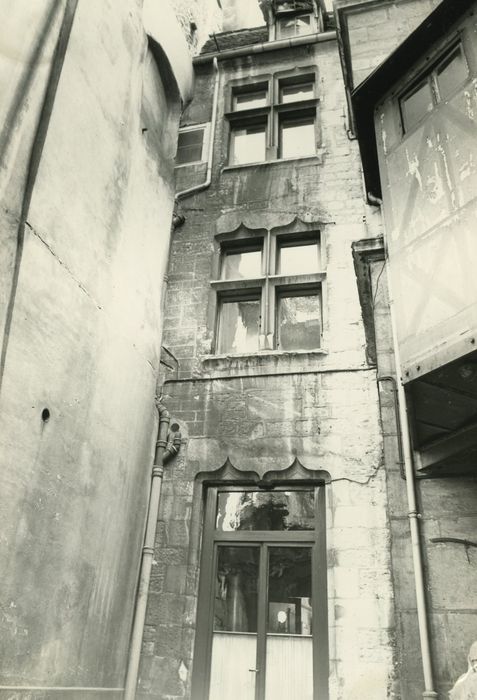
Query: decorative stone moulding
296, 473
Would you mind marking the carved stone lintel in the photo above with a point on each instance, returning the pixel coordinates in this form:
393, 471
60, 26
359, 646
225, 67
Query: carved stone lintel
296, 472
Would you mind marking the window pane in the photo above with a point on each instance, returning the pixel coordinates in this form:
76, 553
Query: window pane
248, 145
293, 93
189, 147
293, 26
299, 322
451, 73
289, 668
265, 510
298, 259
289, 590
416, 104
242, 265
297, 138
239, 326
249, 100
286, 28
303, 23
236, 588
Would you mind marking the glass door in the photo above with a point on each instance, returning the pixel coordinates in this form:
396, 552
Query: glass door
234, 636
262, 629
289, 642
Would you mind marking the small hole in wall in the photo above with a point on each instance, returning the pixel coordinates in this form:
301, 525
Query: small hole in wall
45, 415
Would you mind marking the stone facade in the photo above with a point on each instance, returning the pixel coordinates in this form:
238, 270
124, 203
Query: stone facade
261, 411
88, 138
334, 410
376, 30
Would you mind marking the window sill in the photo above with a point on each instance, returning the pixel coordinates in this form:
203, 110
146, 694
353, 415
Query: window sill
264, 362
316, 158
193, 163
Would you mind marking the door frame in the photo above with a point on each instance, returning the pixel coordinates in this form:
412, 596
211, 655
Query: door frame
211, 539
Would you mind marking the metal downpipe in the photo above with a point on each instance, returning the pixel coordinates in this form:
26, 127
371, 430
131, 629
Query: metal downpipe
164, 450
414, 515
210, 155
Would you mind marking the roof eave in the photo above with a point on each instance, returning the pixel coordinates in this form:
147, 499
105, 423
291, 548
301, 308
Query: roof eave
371, 91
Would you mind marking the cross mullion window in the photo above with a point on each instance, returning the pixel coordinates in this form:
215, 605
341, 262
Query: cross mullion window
269, 295
273, 119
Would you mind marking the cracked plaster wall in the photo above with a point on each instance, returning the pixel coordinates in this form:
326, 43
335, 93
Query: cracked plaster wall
204, 15
80, 299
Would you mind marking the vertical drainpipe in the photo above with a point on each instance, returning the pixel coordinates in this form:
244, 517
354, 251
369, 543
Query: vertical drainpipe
164, 451
213, 125
413, 514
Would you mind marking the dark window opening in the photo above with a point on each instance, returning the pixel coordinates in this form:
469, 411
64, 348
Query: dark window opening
190, 146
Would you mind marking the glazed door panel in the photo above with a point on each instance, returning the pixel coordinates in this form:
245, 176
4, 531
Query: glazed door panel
262, 628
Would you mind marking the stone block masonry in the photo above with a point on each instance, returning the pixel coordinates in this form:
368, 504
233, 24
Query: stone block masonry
262, 411
257, 423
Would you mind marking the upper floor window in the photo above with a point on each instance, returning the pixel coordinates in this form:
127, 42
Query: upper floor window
275, 118
269, 295
294, 25
248, 143
191, 145
249, 99
433, 87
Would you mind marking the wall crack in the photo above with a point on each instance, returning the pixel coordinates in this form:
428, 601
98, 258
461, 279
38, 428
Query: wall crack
62, 263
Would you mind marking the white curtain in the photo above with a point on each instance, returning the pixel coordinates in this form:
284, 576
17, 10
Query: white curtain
232, 656
289, 674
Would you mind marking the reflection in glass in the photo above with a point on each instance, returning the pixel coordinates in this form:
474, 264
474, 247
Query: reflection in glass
265, 510
417, 103
451, 73
239, 326
294, 26
297, 138
289, 590
298, 259
289, 669
248, 145
294, 93
236, 588
249, 100
299, 322
238, 265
